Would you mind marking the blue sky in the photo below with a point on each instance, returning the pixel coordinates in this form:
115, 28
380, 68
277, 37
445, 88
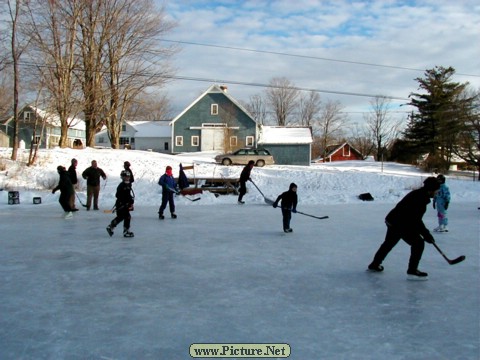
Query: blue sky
362, 47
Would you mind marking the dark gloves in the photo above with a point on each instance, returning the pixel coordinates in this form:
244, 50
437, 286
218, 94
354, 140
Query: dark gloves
428, 238
294, 210
53, 191
446, 205
275, 204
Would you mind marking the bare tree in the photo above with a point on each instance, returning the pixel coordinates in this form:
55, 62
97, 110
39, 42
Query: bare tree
16, 12
150, 107
132, 59
282, 97
257, 108
331, 124
381, 126
53, 27
5, 95
309, 106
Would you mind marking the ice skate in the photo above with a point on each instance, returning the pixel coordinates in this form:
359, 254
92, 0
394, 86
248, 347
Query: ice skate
68, 215
174, 216
127, 233
110, 230
240, 202
288, 230
160, 216
416, 275
375, 268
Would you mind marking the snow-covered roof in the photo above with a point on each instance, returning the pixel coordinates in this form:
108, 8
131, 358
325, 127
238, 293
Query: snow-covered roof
285, 135
148, 129
53, 119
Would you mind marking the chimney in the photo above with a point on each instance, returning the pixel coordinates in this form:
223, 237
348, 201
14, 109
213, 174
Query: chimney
224, 88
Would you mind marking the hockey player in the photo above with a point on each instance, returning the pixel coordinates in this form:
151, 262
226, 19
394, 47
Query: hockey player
66, 190
288, 205
441, 202
123, 205
167, 182
405, 222
244, 177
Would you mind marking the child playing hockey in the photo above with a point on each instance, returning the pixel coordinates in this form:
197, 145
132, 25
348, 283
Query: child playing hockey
123, 205
167, 182
288, 205
66, 191
441, 202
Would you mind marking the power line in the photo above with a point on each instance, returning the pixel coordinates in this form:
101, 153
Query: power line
302, 56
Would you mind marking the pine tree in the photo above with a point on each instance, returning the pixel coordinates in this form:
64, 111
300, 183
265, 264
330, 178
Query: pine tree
434, 126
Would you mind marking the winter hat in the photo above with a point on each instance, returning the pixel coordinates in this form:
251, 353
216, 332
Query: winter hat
168, 168
441, 179
431, 184
126, 164
292, 185
60, 168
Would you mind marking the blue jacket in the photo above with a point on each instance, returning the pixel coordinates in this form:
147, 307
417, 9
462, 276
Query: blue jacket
167, 183
443, 195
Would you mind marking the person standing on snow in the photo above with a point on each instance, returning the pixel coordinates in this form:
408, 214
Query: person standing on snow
72, 172
441, 202
244, 177
66, 190
123, 205
92, 174
167, 182
405, 222
288, 205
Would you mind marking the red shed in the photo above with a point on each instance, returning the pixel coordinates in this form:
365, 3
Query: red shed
342, 152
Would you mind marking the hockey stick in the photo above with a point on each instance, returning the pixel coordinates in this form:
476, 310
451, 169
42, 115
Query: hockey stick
111, 211
299, 212
196, 199
268, 201
451, 262
78, 197
316, 217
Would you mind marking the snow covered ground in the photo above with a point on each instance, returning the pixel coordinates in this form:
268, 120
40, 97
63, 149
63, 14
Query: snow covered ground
224, 273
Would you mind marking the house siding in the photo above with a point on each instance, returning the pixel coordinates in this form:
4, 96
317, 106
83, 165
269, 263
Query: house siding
294, 154
237, 123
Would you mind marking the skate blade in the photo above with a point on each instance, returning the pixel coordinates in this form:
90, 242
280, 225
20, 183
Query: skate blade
417, 278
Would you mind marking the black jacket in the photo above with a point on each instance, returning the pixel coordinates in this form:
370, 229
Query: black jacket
245, 175
288, 198
124, 195
65, 184
408, 213
72, 172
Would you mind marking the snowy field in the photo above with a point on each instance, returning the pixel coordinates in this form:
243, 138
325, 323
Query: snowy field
225, 273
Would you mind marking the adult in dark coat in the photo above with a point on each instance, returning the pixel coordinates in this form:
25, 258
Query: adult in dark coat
66, 190
72, 172
405, 221
288, 205
123, 205
244, 177
93, 174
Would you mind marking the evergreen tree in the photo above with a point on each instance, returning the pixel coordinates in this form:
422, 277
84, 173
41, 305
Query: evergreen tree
434, 126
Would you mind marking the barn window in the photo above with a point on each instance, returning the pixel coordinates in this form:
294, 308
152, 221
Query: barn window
249, 141
214, 109
233, 141
178, 140
195, 140
346, 151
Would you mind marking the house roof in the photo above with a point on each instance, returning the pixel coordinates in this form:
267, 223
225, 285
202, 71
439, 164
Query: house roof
285, 135
213, 89
149, 129
52, 119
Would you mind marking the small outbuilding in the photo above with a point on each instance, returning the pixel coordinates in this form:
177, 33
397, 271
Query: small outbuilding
288, 145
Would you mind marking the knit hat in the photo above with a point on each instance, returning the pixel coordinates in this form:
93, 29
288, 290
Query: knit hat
292, 185
431, 184
126, 164
168, 168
